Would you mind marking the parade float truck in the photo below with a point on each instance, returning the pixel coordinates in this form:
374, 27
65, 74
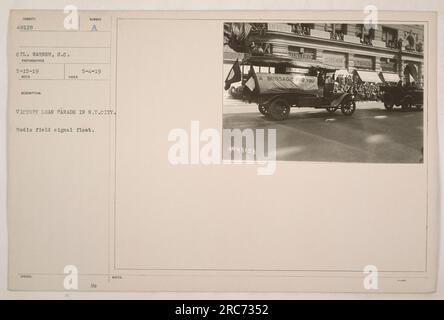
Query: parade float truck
275, 93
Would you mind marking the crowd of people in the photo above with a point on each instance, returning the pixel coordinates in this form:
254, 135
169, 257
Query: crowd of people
305, 31
363, 91
300, 30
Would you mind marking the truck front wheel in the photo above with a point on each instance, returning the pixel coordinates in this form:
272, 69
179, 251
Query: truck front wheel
279, 110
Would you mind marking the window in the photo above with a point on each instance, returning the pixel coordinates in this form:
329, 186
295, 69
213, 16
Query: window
328, 27
339, 30
336, 31
390, 37
366, 33
301, 28
306, 27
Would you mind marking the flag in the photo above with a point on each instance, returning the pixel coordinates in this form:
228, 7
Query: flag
234, 75
251, 85
236, 35
251, 82
241, 30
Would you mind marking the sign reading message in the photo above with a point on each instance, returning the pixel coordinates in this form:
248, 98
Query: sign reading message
269, 82
301, 53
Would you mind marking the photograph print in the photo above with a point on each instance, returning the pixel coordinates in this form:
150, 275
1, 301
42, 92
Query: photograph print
332, 92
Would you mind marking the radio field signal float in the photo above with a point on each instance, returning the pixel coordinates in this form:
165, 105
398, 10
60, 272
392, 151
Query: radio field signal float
294, 84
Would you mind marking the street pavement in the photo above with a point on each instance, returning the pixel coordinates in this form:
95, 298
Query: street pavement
371, 134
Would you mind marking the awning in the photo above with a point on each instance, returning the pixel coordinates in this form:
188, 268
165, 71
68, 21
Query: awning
369, 76
314, 64
391, 77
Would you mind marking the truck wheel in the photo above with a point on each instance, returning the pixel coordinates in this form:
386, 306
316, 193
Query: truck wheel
348, 107
263, 109
388, 102
287, 112
332, 109
279, 110
418, 107
389, 107
406, 106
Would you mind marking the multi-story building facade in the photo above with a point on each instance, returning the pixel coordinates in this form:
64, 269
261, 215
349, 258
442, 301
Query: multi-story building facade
396, 51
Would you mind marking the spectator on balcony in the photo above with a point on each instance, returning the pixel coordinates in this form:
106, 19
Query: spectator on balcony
298, 29
256, 49
338, 36
260, 49
391, 44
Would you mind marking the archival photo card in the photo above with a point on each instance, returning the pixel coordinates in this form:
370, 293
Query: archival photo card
222, 151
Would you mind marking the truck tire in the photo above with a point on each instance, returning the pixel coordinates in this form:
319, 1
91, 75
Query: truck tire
389, 107
263, 109
388, 102
348, 107
279, 110
406, 106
